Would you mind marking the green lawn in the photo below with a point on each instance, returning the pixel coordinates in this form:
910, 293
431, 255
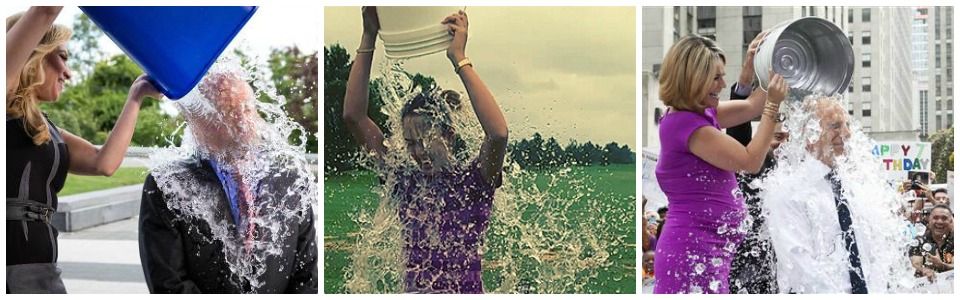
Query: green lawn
124, 176
610, 190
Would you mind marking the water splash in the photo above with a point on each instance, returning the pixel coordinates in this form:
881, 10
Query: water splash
267, 155
548, 232
873, 202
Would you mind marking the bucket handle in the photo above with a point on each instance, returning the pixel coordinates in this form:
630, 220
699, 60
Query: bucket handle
755, 74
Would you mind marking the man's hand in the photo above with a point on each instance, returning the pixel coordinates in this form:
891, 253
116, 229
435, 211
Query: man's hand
936, 262
929, 274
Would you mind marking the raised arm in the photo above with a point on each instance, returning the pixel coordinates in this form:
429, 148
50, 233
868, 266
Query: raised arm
355, 117
24, 37
494, 125
87, 159
735, 112
724, 152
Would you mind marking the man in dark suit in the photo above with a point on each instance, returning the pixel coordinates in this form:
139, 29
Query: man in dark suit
231, 216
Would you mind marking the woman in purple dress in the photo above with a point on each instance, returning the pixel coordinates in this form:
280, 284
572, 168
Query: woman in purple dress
443, 205
697, 163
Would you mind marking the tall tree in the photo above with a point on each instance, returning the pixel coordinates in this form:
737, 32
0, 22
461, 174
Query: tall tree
295, 76
84, 47
942, 152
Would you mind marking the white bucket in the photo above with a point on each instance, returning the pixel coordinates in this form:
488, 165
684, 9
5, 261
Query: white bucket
413, 31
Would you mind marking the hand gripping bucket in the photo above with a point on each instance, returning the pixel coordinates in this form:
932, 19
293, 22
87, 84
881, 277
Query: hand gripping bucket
412, 31
812, 54
175, 45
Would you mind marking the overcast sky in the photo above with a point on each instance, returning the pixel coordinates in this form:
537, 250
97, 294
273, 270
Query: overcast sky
567, 72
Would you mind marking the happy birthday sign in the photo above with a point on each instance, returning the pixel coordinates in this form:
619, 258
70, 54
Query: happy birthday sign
903, 156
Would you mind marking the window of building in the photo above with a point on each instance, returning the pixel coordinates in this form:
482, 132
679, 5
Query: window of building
866, 84
865, 15
849, 15
752, 25
866, 109
707, 21
865, 38
657, 114
866, 59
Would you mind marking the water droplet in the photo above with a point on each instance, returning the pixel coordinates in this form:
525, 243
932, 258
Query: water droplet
696, 289
714, 285
699, 268
927, 247
921, 229
716, 261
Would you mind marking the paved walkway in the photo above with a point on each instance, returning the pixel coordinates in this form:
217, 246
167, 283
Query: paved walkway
102, 259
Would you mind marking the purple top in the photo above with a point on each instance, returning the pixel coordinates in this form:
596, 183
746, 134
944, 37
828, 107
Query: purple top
702, 230
445, 217
690, 182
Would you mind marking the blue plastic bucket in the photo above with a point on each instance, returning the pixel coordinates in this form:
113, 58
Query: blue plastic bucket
175, 45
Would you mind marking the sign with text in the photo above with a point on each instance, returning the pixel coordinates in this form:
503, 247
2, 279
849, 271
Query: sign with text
900, 158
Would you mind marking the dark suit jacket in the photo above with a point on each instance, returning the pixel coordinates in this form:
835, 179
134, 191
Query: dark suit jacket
180, 255
754, 271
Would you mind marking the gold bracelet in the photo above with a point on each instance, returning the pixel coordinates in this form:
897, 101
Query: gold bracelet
771, 105
368, 50
463, 63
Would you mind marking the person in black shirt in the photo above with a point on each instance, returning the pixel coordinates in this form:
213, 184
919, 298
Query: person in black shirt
934, 252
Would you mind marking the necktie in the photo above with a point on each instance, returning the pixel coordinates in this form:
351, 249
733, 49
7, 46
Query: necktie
859, 286
247, 213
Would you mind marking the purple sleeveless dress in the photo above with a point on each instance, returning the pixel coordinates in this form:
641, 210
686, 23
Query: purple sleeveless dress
702, 230
445, 217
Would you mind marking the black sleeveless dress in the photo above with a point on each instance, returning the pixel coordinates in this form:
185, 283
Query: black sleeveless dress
34, 173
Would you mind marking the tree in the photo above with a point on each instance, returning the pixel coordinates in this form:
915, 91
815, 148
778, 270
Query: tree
84, 47
942, 153
90, 107
294, 75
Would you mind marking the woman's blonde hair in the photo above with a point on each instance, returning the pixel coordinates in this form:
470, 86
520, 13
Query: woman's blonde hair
687, 70
22, 102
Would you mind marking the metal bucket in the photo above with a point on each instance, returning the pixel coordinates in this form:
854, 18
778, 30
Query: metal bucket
412, 31
812, 54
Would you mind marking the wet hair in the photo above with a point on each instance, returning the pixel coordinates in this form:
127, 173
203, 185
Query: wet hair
22, 102
688, 69
436, 107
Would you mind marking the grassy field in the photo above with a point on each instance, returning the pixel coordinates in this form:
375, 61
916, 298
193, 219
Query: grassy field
124, 176
615, 186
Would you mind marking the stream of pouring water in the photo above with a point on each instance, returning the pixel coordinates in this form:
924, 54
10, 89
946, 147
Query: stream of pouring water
874, 203
548, 233
270, 154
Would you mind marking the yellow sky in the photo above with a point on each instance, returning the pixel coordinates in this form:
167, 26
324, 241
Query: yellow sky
567, 72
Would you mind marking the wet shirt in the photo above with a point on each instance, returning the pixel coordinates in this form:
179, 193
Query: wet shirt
926, 245
445, 217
